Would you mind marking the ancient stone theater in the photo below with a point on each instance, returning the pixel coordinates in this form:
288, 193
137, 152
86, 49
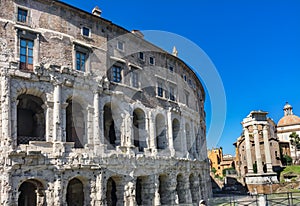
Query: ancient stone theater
93, 114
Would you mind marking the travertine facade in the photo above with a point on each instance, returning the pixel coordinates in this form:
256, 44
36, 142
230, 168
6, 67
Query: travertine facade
92, 114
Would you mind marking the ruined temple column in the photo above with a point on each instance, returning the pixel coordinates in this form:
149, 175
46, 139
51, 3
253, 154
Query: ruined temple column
248, 151
57, 133
267, 149
257, 150
170, 133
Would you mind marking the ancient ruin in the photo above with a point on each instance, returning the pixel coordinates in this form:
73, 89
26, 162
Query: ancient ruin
93, 114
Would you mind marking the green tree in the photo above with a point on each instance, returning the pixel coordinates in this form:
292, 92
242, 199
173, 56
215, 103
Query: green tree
295, 141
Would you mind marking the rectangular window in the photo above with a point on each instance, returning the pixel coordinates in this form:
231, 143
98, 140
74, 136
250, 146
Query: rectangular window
120, 46
117, 76
22, 15
26, 54
172, 94
171, 69
141, 55
160, 91
152, 60
80, 61
85, 31
135, 79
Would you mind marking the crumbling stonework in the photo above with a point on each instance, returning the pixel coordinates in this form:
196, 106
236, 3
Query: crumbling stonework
92, 114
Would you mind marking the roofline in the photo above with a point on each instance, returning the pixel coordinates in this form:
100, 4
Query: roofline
127, 31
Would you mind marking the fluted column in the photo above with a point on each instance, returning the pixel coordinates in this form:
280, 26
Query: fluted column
267, 149
248, 151
257, 150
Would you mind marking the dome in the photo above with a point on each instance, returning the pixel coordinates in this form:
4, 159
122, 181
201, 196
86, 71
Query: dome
288, 120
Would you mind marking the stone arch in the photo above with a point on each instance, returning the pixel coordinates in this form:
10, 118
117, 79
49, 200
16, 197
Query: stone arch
75, 193
139, 129
114, 193
163, 193
180, 188
176, 135
109, 126
160, 131
30, 119
75, 123
194, 187
31, 192
24, 88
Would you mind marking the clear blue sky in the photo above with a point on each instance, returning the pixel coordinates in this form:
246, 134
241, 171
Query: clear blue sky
255, 46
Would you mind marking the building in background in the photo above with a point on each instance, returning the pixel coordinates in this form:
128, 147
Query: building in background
286, 125
257, 151
92, 114
220, 162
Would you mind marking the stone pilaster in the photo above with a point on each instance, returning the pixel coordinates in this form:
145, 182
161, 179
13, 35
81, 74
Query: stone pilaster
129, 192
57, 131
248, 151
64, 122
194, 190
156, 190
49, 126
184, 139
170, 133
152, 131
96, 119
267, 149
89, 125
6, 110
257, 150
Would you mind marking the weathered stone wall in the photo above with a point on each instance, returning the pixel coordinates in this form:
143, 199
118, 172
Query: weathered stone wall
73, 152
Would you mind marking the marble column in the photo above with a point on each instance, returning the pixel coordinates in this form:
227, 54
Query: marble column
257, 150
267, 149
248, 151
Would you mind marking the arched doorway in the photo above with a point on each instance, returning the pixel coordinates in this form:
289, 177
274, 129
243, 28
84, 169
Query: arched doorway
75, 194
160, 127
181, 191
30, 119
109, 126
75, 124
139, 129
111, 192
176, 137
31, 193
163, 193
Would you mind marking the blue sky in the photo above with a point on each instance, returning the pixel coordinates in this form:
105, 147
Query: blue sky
254, 45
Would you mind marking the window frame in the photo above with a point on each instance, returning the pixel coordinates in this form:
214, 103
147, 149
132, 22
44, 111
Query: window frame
143, 56
84, 28
21, 20
135, 79
123, 46
81, 49
153, 58
160, 89
172, 95
116, 74
81, 54
26, 65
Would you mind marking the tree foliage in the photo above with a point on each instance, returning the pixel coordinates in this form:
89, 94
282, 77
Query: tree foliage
295, 141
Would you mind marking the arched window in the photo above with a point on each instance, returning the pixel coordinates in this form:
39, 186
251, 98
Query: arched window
75, 194
139, 129
75, 125
160, 127
30, 193
176, 137
30, 119
109, 126
111, 192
